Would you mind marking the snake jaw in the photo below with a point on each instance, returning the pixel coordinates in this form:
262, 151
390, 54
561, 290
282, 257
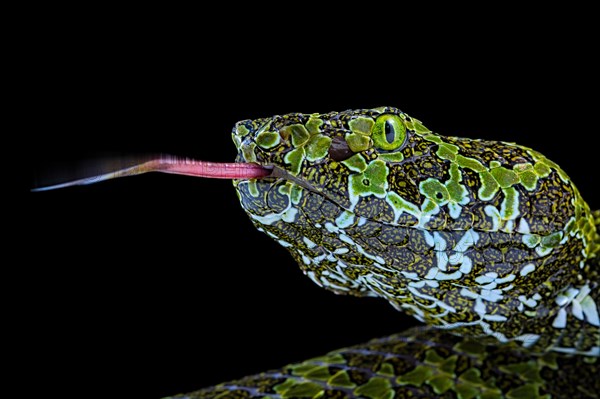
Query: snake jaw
279, 172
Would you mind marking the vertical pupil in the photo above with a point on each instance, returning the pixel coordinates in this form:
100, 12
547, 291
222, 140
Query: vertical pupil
390, 134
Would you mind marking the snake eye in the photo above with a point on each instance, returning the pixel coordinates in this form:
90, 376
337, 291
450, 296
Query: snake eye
389, 132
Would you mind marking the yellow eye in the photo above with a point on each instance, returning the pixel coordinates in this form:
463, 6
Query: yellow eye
389, 132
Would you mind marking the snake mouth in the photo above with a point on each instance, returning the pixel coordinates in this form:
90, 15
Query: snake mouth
280, 173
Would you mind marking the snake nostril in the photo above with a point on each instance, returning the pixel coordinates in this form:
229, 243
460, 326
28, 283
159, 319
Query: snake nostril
339, 150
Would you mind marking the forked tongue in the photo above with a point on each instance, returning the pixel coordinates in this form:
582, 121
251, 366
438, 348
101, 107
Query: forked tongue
168, 164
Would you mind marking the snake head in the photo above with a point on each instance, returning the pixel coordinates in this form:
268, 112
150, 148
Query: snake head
464, 234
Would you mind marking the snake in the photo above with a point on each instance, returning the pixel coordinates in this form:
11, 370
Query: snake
488, 244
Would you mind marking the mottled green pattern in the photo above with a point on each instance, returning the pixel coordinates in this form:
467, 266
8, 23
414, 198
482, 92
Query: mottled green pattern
486, 239
422, 363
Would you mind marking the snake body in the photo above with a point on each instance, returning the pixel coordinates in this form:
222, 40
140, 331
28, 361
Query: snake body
488, 243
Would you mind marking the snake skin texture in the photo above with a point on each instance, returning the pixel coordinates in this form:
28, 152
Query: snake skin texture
488, 243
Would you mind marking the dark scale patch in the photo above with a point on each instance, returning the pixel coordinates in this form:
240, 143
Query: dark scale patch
463, 223
330, 178
419, 147
483, 151
375, 208
401, 365
392, 235
411, 173
551, 270
417, 242
396, 281
353, 259
518, 321
485, 240
447, 293
353, 271
330, 211
311, 252
402, 258
451, 296
371, 245
432, 167
499, 240
318, 269
471, 180
497, 199
417, 348
503, 239
407, 151
551, 206
369, 229
562, 209
335, 132
520, 254
281, 121
277, 201
525, 204
420, 265
327, 265
332, 242
492, 255
573, 336
450, 267
503, 268
303, 222
280, 230
481, 221
451, 238
289, 232
463, 363
345, 117
338, 192
479, 262
364, 360
511, 155
310, 205
370, 155
400, 183
271, 156
407, 220
359, 377
439, 221
255, 205
314, 236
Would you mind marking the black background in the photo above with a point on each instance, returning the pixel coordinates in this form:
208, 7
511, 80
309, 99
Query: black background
159, 284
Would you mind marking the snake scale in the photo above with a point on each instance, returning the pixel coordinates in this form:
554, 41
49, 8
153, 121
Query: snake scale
488, 243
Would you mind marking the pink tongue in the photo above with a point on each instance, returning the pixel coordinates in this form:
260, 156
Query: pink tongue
168, 164
213, 170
